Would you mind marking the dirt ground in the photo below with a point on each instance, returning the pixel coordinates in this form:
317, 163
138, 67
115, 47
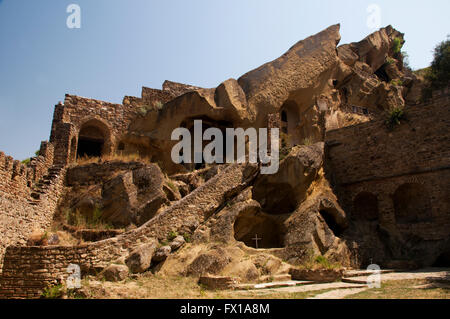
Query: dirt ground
425, 284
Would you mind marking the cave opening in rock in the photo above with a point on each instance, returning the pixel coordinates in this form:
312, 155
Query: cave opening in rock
442, 260
331, 222
382, 75
412, 204
282, 199
365, 207
256, 229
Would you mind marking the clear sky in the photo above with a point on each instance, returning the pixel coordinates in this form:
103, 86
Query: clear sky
123, 45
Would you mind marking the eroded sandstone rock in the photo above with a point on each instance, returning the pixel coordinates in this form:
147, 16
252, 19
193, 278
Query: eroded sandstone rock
140, 259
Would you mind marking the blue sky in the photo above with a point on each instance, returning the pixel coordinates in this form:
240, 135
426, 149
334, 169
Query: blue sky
123, 45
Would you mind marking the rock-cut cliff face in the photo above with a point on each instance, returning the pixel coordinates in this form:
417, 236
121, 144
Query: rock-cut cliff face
314, 87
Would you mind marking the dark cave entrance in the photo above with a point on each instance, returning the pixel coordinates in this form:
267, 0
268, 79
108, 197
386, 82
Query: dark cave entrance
90, 147
255, 227
275, 199
443, 260
206, 124
331, 223
92, 140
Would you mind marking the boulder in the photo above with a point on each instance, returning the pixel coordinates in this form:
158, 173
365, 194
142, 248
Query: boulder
162, 253
211, 262
177, 243
119, 197
140, 259
115, 272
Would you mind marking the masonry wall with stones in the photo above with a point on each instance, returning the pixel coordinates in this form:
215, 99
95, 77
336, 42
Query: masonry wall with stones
112, 121
20, 214
398, 177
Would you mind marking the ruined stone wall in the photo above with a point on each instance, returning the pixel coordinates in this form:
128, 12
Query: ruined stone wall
370, 158
112, 119
97, 173
19, 214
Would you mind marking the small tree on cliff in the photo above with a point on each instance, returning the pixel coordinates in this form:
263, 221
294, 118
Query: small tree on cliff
438, 75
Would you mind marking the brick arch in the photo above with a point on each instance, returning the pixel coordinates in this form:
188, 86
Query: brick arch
94, 138
365, 206
412, 203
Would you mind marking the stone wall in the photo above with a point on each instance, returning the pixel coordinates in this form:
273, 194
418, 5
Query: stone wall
97, 173
19, 214
28, 269
401, 175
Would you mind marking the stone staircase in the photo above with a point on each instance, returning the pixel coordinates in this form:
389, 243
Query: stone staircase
42, 186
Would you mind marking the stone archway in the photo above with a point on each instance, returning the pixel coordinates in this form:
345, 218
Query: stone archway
94, 139
412, 204
365, 207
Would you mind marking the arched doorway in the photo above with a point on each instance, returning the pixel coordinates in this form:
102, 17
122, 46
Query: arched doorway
93, 139
365, 207
206, 124
412, 204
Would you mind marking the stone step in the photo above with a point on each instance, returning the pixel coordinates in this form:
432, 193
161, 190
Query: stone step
274, 284
34, 202
355, 280
278, 278
361, 273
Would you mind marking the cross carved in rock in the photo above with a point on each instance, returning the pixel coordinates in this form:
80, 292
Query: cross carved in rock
256, 239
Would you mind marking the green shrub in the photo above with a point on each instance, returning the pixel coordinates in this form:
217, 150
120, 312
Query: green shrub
53, 292
395, 116
439, 75
390, 61
187, 237
397, 46
171, 236
158, 105
323, 261
172, 186
396, 82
